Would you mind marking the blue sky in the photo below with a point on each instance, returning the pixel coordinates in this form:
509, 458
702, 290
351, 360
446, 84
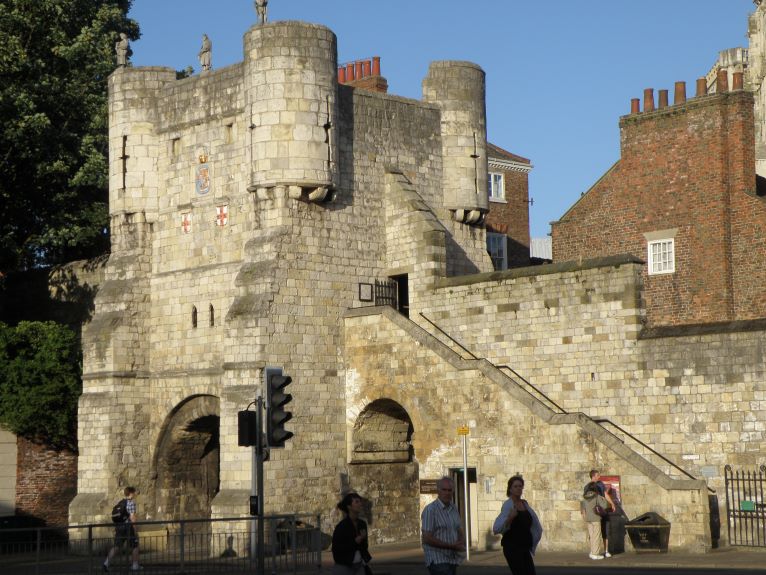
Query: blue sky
560, 73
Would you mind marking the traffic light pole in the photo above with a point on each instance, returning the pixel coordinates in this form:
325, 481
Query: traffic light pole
259, 484
269, 413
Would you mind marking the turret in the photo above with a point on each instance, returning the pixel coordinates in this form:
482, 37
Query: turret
291, 101
458, 88
133, 150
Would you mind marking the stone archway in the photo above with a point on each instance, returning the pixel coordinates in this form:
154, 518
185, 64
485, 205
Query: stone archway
384, 471
186, 463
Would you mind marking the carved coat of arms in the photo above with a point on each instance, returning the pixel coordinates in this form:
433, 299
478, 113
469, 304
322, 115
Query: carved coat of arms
202, 174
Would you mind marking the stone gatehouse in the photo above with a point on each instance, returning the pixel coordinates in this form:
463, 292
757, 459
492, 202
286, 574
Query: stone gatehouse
253, 209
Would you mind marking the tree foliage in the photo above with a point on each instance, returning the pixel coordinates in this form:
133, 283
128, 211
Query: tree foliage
40, 382
55, 57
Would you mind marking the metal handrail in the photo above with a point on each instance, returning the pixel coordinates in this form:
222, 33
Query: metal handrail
602, 421
599, 421
509, 368
530, 384
452, 339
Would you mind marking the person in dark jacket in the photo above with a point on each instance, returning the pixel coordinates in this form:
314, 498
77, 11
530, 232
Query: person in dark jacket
349, 540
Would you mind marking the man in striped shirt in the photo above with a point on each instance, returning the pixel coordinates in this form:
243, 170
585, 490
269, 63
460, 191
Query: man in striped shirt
443, 536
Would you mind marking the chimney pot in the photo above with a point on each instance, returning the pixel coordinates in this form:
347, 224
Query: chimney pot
358, 73
349, 72
679, 97
701, 86
635, 105
663, 100
649, 100
376, 65
738, 82
722, 82
367, 68
342, 75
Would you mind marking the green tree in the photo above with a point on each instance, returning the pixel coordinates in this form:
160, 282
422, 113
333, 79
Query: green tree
55, 57
40, 382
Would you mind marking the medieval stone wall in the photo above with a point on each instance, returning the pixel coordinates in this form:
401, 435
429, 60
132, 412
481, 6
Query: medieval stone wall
576, 332
389, 357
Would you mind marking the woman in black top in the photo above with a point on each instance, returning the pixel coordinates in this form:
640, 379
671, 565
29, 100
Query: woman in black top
349, 540
521, 529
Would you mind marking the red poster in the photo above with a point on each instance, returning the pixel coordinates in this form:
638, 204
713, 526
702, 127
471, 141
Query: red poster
612, 482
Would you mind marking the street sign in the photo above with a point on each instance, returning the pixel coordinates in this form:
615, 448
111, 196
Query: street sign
462, 430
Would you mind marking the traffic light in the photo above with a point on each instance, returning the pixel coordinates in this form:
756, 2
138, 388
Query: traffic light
247, 428
276, 399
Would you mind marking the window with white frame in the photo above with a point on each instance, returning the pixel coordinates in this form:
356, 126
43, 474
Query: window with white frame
662, 257
496, 186
496, 246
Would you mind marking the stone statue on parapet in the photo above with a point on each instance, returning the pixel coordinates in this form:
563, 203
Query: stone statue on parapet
205, 54
122, 48
261, 10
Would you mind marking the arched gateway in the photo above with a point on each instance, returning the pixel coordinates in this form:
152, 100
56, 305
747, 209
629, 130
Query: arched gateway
383, 470
186, 463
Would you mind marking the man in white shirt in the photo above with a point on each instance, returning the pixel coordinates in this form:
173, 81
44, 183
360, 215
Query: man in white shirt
442, 531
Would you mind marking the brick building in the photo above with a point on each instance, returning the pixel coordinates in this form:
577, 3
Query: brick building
682, 197
507, 222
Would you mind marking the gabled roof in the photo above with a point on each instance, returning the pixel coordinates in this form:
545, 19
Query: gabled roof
498, 152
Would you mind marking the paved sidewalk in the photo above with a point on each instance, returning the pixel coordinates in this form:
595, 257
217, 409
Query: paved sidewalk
386, 558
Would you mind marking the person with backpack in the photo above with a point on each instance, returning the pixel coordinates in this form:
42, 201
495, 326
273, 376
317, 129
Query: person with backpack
592, 508
124, 518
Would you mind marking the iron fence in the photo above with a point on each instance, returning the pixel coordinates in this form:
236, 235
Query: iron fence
292, 544
746, 506
385, 293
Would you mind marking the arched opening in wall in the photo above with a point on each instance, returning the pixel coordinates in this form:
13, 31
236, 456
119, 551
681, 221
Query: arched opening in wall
186, 463
384, 471
194, 316
212, 315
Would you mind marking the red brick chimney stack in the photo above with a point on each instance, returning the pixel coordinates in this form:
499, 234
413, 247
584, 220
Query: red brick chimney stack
363, 74
679, 96
635, 106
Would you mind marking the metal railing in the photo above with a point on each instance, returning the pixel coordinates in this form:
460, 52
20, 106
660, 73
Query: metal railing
539, 395
293, 544
512, 374
746, 506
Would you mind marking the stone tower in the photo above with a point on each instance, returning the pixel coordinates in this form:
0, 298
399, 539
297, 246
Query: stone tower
249, 206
